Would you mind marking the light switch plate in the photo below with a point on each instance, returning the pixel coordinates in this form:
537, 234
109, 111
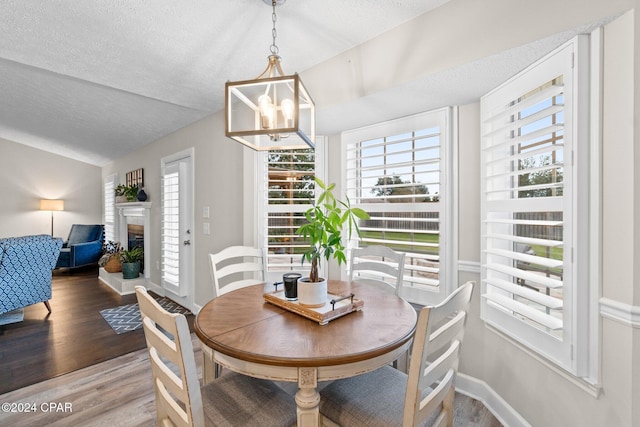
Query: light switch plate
205, 212
206, 229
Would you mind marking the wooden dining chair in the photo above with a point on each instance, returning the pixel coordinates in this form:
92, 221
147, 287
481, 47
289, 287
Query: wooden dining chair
232, 268
389, 397
236, 267
382, 267
231, 400
379, 266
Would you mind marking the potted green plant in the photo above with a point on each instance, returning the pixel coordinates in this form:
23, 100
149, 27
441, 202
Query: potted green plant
130, 192
326, 222
131, 262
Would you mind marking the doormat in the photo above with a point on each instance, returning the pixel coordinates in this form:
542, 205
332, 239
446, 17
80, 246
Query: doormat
126, 318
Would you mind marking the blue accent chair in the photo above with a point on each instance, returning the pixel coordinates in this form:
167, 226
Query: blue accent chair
83, 247
25, 270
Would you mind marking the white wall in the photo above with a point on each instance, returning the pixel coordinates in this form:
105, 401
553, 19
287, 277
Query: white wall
28, 175
459, 32
534, 388
218, 175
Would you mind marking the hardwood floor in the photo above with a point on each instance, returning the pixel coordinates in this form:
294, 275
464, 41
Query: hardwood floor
72, 337
73, 370
119, 392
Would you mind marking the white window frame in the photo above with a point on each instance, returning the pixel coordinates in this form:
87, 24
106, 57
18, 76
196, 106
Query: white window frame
109, 203
445, 119
574, 352
263, 208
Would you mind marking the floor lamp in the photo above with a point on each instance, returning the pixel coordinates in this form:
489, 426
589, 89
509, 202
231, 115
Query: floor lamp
51, 205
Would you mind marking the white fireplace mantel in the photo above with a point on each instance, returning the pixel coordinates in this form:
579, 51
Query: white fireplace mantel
141, 212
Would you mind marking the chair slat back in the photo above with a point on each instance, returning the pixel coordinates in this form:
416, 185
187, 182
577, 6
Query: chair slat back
231, 266
436, 399
452, 330
377, 264
173, 366
434, 359
457, 301
434, 371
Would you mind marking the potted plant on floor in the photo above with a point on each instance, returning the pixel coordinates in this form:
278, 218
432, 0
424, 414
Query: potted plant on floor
324, 227
110, 259
131, 260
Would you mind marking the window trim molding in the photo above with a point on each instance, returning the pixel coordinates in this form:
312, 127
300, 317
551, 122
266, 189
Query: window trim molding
583, 371
254, 230
449, 249
594, 337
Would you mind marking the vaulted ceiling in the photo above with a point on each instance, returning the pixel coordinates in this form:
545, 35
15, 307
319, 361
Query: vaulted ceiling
95, 80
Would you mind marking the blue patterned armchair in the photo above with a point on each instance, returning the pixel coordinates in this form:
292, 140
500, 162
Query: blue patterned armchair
25, 270
83, 247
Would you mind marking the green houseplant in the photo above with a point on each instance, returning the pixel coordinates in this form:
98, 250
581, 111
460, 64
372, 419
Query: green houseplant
131, 262
128, 191
326, 222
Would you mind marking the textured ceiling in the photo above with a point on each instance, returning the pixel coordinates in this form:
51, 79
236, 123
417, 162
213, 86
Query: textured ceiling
96, 80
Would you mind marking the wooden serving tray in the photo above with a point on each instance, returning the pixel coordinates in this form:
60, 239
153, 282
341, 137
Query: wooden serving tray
322, 315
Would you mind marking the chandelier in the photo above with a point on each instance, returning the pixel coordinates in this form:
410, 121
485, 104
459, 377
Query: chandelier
272, 111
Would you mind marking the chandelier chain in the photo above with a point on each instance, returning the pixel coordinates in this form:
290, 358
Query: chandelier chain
274, 33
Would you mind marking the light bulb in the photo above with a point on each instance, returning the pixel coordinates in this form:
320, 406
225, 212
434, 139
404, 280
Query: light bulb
266, 111
287, 112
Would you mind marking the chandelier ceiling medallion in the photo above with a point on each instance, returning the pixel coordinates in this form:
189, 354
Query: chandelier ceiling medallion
272, 111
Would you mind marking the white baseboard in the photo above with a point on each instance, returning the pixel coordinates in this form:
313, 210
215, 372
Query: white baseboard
157, 289
196, 308
482, 392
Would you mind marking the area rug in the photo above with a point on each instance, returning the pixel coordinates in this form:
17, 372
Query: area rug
126, 318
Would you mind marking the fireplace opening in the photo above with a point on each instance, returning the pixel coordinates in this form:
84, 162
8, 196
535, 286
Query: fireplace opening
135, 238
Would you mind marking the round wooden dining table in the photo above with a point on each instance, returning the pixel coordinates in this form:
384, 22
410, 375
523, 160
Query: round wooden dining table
257, 338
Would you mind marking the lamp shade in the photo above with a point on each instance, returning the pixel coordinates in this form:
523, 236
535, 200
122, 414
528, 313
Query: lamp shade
51, 205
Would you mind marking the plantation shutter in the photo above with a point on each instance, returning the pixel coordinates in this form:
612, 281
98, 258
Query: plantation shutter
109, 209
289, 191
396, 171
528, 218
170, 232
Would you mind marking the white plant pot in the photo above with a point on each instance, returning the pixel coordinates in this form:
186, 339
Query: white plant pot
312, 294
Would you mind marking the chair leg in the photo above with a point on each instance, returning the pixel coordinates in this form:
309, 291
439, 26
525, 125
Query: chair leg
46, 303
402, 362
217, 370
448, 405
208, 367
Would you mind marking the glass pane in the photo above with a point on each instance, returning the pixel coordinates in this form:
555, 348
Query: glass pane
401, 170
291, 182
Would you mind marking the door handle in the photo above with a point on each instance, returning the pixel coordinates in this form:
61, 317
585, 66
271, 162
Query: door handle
187, 242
